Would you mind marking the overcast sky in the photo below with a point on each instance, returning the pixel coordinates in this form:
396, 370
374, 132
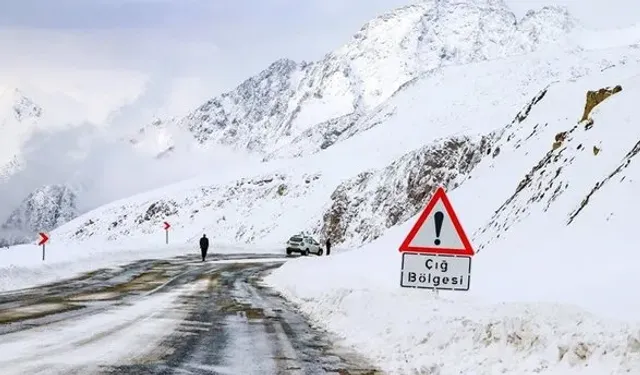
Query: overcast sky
197, 47
101, 51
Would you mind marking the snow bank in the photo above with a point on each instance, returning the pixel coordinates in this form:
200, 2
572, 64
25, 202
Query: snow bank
551, 286
415, 332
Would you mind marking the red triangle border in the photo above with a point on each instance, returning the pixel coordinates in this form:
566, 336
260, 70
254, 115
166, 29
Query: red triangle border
439, 194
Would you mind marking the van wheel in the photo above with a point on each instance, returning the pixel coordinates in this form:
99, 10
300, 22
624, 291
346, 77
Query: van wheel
319, 252
288, 252
306, 252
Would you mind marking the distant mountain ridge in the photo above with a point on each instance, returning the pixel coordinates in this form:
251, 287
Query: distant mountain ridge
317, 104
44, 209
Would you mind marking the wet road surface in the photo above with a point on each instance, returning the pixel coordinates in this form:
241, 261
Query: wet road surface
177, 316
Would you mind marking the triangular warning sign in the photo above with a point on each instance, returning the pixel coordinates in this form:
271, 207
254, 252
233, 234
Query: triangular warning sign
438, 230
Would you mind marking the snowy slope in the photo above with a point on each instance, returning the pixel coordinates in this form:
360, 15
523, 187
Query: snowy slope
293, 109
363, 207
251, 210
548, 295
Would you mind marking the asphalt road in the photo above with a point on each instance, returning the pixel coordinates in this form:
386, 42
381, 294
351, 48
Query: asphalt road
177, 316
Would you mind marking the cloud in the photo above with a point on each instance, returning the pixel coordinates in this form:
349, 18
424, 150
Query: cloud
96, 162
196, 35
102, 165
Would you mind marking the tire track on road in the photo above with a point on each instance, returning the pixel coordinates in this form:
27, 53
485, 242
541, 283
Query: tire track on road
245, 328
177, 316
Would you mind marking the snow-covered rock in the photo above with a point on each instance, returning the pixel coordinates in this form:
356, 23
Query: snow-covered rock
19, 117
364, 207
21, 106
44, 209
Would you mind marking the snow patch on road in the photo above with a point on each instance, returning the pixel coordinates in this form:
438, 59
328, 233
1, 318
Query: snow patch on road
112, 338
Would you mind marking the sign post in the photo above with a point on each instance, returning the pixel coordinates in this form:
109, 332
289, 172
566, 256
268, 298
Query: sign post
43, 240
436, 253
166, 232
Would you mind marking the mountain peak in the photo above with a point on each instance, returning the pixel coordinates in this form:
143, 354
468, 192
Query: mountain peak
44, 209
19, 104
289, 103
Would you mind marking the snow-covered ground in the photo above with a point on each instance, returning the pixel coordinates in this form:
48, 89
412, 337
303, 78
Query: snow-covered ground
552, 284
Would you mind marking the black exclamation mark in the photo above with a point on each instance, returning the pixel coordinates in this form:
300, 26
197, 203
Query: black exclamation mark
439, 217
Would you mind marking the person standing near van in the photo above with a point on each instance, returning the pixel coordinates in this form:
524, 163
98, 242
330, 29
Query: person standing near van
328, 245
204, 246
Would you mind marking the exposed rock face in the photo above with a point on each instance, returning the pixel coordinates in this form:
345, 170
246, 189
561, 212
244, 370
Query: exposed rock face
621, 167
362, 208
596, 97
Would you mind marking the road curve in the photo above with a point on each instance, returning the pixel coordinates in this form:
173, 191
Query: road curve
177, 316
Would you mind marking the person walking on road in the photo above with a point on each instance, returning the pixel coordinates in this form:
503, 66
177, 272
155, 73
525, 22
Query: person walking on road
328, 244
204, 246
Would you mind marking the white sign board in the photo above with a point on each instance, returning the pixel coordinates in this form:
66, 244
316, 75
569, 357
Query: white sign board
442, 272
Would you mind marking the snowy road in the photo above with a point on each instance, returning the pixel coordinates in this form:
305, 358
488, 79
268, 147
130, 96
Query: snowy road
179, 316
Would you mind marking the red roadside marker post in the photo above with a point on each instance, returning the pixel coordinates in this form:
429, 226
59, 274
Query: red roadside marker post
437, 252
166, 232
43, 240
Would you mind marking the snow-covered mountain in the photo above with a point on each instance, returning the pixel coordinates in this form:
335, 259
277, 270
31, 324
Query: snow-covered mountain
293, 109
357, 189
23, 118
42, 210
19, 116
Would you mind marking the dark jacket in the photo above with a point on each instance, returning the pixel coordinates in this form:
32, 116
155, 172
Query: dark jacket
204, 243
